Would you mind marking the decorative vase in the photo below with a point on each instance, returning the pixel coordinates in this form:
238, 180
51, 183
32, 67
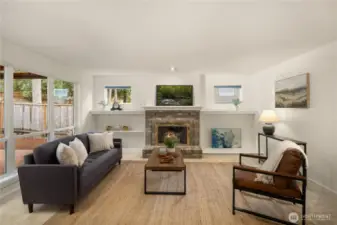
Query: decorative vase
171, 150
162, 151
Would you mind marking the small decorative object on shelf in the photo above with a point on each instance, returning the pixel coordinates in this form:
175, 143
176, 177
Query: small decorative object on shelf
170, 141
116, 106
236, 103
103, 104
108, 128
125, 128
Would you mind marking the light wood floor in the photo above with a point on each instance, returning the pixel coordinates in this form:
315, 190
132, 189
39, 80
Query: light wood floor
119, 199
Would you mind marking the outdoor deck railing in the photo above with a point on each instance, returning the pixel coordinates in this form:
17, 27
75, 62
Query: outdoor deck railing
29, 117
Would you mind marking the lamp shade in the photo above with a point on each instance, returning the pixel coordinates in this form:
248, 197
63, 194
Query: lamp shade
269, 116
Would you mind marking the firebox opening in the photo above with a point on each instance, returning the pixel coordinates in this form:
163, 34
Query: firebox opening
181, 132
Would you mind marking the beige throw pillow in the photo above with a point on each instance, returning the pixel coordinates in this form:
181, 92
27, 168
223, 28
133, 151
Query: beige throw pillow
66, 155
100, 141
109, 139
80, 150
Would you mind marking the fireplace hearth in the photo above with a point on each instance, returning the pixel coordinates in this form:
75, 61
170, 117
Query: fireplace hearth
185, 124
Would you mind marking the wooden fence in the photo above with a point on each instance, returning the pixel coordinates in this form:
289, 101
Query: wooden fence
29, 117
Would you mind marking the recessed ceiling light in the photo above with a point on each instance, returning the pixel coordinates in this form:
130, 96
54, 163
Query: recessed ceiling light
173, 69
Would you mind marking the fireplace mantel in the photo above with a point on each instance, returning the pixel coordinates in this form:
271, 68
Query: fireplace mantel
173, 108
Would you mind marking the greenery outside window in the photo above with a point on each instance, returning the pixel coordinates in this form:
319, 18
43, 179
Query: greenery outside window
225, 94
120, 94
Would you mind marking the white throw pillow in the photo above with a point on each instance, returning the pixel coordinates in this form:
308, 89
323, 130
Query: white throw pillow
66, 155
80, 150
99, 141
109, 139
274, 158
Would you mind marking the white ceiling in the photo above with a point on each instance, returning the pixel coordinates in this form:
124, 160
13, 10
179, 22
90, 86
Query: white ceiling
204, 36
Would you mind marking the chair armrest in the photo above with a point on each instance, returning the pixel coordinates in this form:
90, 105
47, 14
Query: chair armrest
48, 183
118, 143
255, 170
251, 156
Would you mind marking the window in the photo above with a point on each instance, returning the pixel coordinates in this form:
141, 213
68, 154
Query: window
61, 133
30, 100
25, 145
2, 101
30, 103
63, 104
226, 94
2, 139
120, 94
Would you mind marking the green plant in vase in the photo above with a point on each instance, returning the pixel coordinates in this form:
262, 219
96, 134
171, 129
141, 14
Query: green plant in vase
170, 142
236, 102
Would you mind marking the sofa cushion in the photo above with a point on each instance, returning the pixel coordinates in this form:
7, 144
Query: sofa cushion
290, 164
46, 153
95, 167
85, 140
99, 141
80, 150
66, 155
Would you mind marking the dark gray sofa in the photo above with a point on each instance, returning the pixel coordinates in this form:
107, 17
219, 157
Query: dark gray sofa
44, 181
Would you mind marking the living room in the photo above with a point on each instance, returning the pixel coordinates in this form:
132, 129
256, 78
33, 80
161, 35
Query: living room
232, 61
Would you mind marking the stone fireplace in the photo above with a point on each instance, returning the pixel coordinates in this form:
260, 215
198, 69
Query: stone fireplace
185, 124
181, 131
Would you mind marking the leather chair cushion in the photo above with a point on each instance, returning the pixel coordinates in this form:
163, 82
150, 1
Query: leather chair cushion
245, 179
290, 164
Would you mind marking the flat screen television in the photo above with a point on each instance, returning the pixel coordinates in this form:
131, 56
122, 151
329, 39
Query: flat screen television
174, 95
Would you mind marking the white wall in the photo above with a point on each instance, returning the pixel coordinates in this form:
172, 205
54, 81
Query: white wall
85, 103
143, 87
248, 90
24, 59
1, 48
316, 125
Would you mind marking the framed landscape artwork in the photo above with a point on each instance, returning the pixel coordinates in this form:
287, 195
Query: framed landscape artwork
226, 137
293, 92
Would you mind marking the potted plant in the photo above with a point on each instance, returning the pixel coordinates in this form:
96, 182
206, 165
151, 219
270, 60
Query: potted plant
236, 103
103, 104
170, 141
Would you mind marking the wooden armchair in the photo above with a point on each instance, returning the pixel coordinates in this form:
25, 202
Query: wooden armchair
285, 185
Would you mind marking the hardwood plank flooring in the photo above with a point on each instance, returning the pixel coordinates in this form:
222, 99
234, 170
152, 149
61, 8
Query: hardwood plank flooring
119, 199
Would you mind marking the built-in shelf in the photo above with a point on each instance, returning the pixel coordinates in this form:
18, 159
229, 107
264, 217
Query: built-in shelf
227, 112
170, 108
128, 131
117, 112
227, 150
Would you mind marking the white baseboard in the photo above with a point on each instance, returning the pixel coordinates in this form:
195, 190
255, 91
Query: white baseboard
9, 184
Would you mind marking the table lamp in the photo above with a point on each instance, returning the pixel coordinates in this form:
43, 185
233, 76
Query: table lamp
269, 117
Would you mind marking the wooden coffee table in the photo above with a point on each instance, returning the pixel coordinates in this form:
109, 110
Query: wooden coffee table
154, 164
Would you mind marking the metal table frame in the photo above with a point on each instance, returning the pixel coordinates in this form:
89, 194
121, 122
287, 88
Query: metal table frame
164, 192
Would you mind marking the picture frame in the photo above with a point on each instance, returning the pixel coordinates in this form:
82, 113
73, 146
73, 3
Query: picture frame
293, 92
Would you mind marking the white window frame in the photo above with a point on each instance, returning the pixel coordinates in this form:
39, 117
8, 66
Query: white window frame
106, 88
10, 137
237, 89
72, 128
